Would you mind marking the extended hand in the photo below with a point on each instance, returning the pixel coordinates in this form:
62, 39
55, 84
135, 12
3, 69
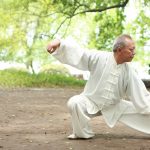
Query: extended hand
52, 46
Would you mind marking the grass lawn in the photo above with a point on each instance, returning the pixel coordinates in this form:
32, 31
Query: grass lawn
13, 78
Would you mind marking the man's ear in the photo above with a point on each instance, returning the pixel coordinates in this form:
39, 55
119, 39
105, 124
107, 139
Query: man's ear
119, 49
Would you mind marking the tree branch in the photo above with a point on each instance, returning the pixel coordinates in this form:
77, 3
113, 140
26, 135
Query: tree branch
70, 16
103, 9
60, 26
67, 27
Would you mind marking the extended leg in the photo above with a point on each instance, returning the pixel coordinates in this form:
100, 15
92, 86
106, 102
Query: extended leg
135, 120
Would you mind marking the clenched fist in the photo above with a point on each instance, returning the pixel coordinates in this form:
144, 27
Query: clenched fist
53, 45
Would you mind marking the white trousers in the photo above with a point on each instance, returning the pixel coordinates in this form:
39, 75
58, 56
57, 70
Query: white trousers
80, 118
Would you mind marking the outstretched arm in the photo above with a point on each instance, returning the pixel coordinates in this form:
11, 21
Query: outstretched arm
69, 52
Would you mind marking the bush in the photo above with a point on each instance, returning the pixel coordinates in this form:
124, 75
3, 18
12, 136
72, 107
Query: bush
55, 69
15, 78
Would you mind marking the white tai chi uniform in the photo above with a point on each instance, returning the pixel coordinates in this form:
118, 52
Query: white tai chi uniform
112, 89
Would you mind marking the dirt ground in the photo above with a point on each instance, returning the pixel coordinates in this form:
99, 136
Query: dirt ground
38, 119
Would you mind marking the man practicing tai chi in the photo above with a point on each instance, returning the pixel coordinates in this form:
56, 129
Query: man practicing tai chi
113, 89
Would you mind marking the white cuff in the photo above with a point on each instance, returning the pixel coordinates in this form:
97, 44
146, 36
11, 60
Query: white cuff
60, 48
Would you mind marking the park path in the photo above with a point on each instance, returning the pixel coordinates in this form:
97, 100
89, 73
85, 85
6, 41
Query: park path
38, 119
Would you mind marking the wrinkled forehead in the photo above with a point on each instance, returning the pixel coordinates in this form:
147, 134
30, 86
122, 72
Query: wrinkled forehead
129, 42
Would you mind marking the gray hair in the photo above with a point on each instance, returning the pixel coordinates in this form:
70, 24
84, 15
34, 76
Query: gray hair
120, 41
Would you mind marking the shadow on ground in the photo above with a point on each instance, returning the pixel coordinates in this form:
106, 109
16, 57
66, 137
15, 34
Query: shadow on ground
38, 119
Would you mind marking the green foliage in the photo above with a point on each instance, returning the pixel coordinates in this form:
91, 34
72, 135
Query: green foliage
17, 46
12, 78
73, 7
55, 69
104, 36
140, 29
26, 26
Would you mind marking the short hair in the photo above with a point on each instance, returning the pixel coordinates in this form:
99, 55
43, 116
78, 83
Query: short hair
120, 41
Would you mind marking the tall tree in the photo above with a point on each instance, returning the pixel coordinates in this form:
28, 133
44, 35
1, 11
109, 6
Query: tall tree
31, 22
27, 25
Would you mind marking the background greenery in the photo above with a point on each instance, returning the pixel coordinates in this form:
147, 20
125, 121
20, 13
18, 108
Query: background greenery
27, 26
14, 79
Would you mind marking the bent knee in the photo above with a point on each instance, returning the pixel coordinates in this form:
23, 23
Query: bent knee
73, 101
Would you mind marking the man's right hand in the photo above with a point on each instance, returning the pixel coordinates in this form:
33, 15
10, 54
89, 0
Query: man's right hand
53, 45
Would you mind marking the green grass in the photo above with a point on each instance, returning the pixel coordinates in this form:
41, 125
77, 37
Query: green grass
13, 79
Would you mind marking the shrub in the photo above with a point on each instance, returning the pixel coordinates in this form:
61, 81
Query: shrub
15, 78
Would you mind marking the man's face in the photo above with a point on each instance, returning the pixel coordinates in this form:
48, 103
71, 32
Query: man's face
127, 53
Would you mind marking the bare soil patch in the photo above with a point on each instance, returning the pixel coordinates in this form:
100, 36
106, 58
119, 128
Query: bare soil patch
38, 119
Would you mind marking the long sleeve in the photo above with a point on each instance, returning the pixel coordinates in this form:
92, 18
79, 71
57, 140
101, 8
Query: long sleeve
138, 93
70, 53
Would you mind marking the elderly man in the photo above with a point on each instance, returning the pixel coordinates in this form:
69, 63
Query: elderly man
113, 89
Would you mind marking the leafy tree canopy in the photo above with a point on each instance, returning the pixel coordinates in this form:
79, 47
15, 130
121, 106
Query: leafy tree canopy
27, 25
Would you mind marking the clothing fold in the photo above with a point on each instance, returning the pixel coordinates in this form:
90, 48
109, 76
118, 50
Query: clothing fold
109, 83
